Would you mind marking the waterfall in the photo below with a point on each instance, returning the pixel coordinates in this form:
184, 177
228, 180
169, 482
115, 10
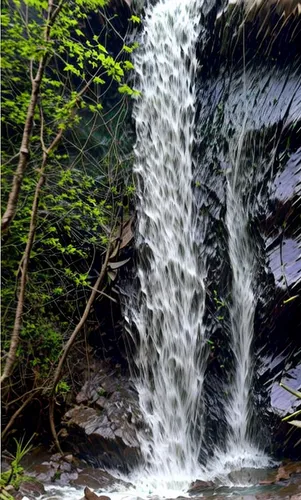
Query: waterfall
170, 311
242, 309
168, 314
242, 260
240, 450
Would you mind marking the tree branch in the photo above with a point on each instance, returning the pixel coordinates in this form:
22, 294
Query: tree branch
28, 127
71, 340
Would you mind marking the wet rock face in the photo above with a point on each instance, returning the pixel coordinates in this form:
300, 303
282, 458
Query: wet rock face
270, 168
283, 483
31, 489
97, 479
56, 469
67, 470
102, 427
283, 244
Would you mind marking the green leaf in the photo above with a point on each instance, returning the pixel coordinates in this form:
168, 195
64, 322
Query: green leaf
116, 265
292, 391
125, 89
98, 80
135, 19
295, 414
102, 48
128, 65
296, 423
129, 49
290, 299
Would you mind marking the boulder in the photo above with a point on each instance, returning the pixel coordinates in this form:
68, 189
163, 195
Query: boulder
59, 470
102, 427
251, 476
199, 486
90, 495
31, 489
97, 479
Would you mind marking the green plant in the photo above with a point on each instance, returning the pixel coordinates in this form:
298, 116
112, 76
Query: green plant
296, 423
15, 475
65, 175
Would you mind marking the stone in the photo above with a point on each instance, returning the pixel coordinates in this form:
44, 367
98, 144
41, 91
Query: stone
66, 477
97, 479
199, 486
90, 495
101, 402
59, 472
103, 431
249, 475
32, 489
286, 470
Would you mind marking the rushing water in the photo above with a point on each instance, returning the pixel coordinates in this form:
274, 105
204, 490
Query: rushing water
170, 311
240, 450
172, 353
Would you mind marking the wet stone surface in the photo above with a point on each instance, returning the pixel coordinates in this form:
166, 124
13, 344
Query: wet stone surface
97, 479
102, 427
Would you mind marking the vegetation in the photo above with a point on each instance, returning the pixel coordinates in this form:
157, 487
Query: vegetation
66, 184
296, 423
15, 474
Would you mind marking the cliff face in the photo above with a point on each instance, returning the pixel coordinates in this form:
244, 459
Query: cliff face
250, 73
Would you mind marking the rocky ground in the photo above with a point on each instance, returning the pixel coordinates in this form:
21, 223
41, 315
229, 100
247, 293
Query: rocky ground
280, 483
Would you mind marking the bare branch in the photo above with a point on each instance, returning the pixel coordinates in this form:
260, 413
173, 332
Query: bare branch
71, 340
28, 126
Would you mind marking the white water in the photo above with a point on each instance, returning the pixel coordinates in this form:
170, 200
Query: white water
240, 451
169, 315
242, 309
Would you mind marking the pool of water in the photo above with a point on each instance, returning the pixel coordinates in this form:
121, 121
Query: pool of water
248, 484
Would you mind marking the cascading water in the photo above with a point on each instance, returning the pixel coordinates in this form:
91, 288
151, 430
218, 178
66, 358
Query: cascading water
242, 309
172, 298
242, 258
240, 450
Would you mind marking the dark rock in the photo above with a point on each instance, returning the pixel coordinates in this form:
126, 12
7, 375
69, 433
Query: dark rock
282, 401
270, 175
285, 471
199, 486
90, 495
104, 431
44, 472
66, 477
101, 403
251, 476
31, 489
97, 479
58, 470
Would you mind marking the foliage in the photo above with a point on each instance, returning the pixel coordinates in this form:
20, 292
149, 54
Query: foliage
15, 475
296, 423
77, 167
